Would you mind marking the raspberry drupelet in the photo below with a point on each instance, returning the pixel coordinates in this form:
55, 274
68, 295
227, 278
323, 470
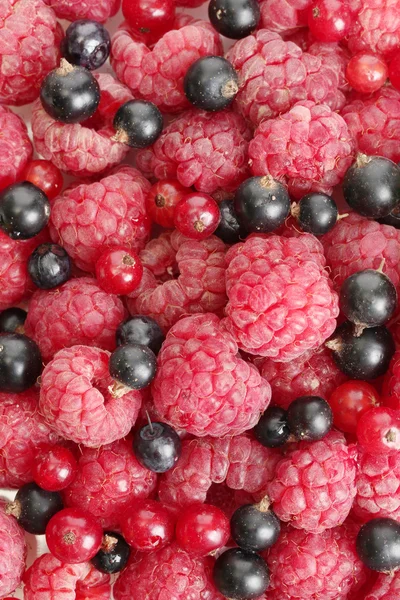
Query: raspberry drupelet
386, 587
15, 147
96, 10
376, 27
334, 57
284, 16
12, 553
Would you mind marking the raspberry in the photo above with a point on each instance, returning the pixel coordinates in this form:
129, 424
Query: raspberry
204, 150
78, 312
240, 462
391, 382
83, 149
284, 16
334, 57
386, 587
309, 148
91, 217
200, 283
202, 386
12, 553
274, 75
377, 27
108, 479
15, 147
314, 485
97, 10
157, 74
77, 402
281, 302
30, 39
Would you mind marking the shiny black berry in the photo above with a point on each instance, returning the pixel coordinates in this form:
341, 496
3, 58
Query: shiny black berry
86, 44
378, 544
372, 186
49, 266
24, 210
316, 213
235, 19
272, 429
261, 204
211, 83
309, 418
229, 229
364, 355
34, 507
138, 123
393, 218
133, 365
254, 527
114, 554
12, 320
241, 575
20, 362
70, 94
140, 330
157, 447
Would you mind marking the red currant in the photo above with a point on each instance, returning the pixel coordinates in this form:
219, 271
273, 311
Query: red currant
366, 72
73, 536
329, 20
151, 18
55, 468
378, 431
350, 401
45, 176
148, 526
197, 216
119, 271
202, 528
394, 71
162, 199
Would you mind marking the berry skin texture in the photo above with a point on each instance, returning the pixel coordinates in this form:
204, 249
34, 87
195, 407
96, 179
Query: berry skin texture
114, 555
240, 574
255, 528
147, 526
197, 216
366, 73
191, 392
162, 200
211, 83
78, 410
284, 17
15, 147
235, 19
138, 123
34, 507
12, 320
295, 317
309, 418
378, 543
119, 271
97, 10
151, 18
73, 536
140, 330
54, 469
45, 176
386, 587
377, 27
309, 148
201, 529
261, 204
350, 401
13, 553
157, 446
49, 266
24, 210
316, 213
86, 44
378, 431
329, 20
272, 429
20, 362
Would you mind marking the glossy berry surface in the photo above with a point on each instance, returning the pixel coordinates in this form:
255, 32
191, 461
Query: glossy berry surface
12, 320
329, 20
368, 298
240, 575
211, 83
235, 19
49, 266
34, 507
261, 204
378, 431
254, 528
119, 271
229, 229
20, 362
366, 72
309, 418
133, 365
378, 544
148, 525
201, 529
24, 210
197, 216
113, 555
394, 71
86, 44
73, 536
316, 213
162, 200
157, 447
350, 401
45, 176
54, 468
138, 123
142, 330
272, 430
151, 18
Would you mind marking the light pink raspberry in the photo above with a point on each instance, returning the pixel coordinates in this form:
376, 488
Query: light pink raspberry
97, 10
15, 147
376, 28
12, 553
386, 587
284, 16
334, 57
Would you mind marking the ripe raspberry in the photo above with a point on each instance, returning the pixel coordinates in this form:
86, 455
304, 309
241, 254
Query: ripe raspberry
386, 587
77, 402
12, 553
391, 382
108, 479
284, 16
15, 147
377, 27
97, 10
83, 149
199, 286
309, 148
78, 312
274, 75
334, 57
204, 150
91, 217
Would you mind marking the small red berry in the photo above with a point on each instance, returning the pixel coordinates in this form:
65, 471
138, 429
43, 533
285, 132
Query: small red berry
162, 199
350, 401
45, 176
54, 468
73, 536
119, 271
148, 526
197, 216
394, 71
151, 18
366, 72
378, 431
329, 20
202, 528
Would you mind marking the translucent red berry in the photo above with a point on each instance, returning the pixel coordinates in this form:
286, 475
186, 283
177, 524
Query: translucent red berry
54, 468
151, 18
119, 271
366, 72
73, 536
378, 431
394, 71
45, 176
162, 200
148, 526
350, 401
329, 20
202, 528
197, 216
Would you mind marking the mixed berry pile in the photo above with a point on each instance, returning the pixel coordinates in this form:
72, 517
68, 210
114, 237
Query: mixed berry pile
199, 300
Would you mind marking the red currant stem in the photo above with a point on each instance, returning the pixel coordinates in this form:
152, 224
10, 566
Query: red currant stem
343, 216
108, 543
65, 68
14, 509
149, 420
121, 137
117, 389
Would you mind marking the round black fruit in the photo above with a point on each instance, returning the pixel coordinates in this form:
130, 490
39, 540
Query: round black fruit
235, 19
309, 418
12, 320
272, 429
86, 44
229, 229
261, 204
20, 362
34, 507
133, 365
240, 575
114, 554
393, 218
24, 210
138, 123
49, 266
316, 213
142, 330
211, 83
378, 544
157, 447
255, 529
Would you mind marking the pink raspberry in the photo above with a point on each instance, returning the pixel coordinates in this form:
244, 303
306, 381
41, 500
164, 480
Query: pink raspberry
201, 384
15, 147
83, 149
284, 16
274, 75
97, 10
391, 382
200, 284
386, 587
12, 553
334, 57
91, 217
78, 402
157, 74
78, 312
200, 149
280, 299
108, 479
309, 148
377, 26
240, 462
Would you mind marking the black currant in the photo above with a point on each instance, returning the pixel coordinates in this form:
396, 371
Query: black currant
34, 507
113, 555
138, 123
241, 575
70, 94
133, 365
261, 204
316, 213
24, 210
157, 447
86, 44
211, 83
272, 429
229, 229
254, 527
140, 329
393, 218
49, 266
371, 186
235, 19
12, 320
364, 355
378, 544
309, 418
20, 362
